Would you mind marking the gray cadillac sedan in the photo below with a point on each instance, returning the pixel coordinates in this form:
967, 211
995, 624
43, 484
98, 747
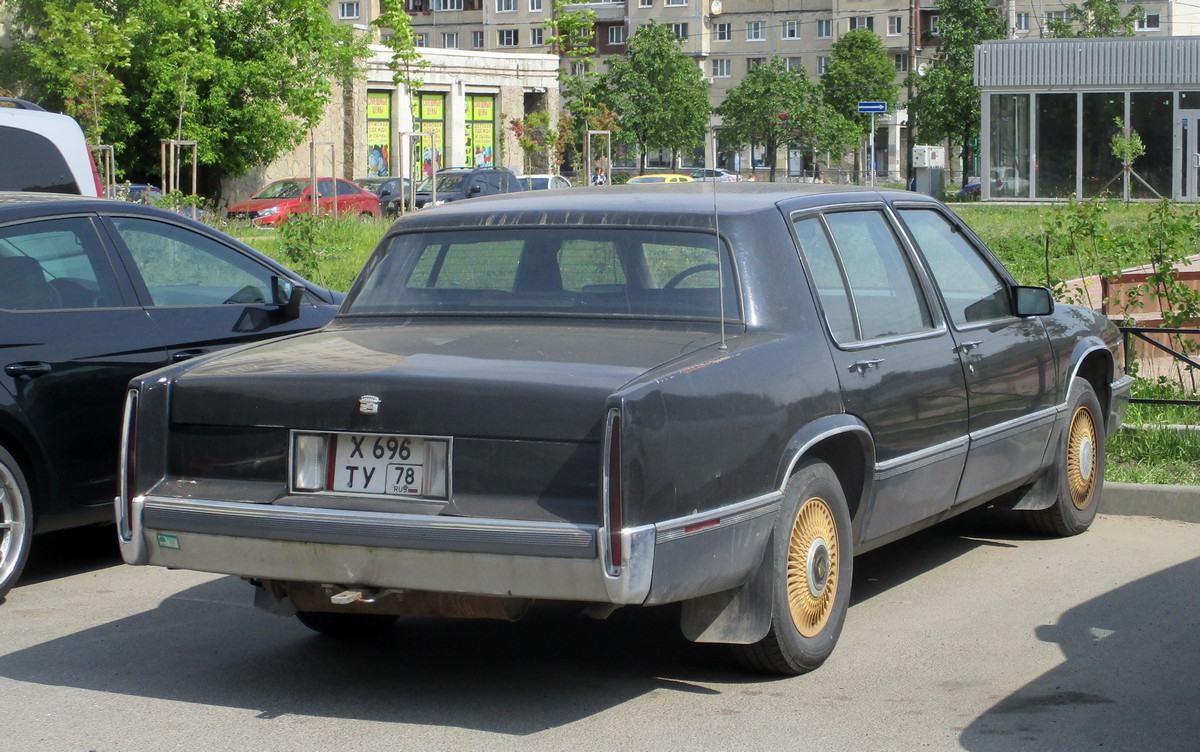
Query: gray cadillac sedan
716, 398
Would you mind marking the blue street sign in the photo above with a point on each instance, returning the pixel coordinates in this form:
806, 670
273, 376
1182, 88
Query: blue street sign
872, 106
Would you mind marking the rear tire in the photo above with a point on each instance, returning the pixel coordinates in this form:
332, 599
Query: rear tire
812, 561
16, 522
346, 626
1081, 457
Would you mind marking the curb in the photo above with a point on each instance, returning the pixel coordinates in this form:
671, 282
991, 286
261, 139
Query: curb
1180, 503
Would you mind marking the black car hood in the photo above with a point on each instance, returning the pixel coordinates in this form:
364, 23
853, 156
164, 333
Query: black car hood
499, 379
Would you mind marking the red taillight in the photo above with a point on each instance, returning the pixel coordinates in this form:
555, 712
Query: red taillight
615, 519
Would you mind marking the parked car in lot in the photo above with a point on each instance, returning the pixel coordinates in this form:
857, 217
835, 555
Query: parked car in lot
44, 151
390, 192
709, 175
544, 182
458, 183
92, 293
664, 178
587, 398
276, 201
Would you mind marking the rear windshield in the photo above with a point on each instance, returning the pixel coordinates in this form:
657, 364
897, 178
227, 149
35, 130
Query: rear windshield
447, 182
31, 162
549, 271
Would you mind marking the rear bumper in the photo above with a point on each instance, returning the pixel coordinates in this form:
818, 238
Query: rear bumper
445, 554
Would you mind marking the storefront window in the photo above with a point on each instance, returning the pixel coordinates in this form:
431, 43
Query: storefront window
379, 134
1101, 170
1056, 145
1150, 115
481, 130
430, 118
1009, 173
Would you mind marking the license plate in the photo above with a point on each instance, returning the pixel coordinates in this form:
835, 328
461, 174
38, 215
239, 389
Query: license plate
375, 464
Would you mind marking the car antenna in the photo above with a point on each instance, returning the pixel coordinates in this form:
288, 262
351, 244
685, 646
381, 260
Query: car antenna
720, 270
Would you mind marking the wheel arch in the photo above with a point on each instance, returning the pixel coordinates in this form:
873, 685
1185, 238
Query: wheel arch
844, 443
1093, 362
20, 443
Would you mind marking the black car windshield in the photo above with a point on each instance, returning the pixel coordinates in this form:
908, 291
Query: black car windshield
549, 271
446, 182
282, 189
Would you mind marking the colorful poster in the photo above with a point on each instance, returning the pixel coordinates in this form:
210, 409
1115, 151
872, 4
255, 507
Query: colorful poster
431, 109
481, 130
379, 134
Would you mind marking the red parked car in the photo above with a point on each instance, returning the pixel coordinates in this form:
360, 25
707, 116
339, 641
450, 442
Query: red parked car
272, 205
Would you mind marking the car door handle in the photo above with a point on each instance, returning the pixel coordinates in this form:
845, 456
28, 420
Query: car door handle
186, 354
29, 368
862, 366
966, 347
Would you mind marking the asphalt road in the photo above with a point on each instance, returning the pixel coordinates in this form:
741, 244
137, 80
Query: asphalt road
970, 636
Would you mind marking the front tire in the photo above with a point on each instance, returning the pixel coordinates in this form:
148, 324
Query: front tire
1081, 458
16, 522
812, 561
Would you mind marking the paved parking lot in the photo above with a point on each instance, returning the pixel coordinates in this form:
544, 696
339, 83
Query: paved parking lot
970, 636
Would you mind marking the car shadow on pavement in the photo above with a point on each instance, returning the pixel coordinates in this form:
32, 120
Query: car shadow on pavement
1130, 679
67, 552
208, 645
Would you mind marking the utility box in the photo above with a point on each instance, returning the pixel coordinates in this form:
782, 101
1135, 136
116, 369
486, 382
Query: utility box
929, 156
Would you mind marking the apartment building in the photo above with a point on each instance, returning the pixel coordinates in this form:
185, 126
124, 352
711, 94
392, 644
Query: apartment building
729, 37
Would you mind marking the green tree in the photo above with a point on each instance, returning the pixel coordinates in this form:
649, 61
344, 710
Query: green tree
78, 55
773, 107
1096, 18
245, 80
658, 93
946, 106
407, 62
572, 33
859, 70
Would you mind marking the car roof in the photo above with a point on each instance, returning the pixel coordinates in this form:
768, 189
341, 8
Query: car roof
691, 203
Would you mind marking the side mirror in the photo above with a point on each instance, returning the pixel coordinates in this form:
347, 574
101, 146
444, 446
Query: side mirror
1032, 301
287, 295
477, 188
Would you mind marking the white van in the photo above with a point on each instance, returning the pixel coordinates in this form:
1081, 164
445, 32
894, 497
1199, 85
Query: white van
43, 151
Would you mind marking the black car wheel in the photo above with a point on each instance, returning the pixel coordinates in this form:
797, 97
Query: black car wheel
1080, 460
15, 522
345, 626
812, 564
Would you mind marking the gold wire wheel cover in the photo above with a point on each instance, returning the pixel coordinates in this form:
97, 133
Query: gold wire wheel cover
1081, 458
813, 564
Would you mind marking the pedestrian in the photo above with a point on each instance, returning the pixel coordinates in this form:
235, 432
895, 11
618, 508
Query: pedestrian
599, 178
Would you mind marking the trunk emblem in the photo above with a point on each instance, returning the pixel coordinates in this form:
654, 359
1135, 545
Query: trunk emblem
368, 404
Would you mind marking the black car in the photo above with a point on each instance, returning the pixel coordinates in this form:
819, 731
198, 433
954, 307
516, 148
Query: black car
92, 293
458, 183
716, 398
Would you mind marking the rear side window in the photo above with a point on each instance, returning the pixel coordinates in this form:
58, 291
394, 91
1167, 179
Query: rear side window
55, 264
32, 162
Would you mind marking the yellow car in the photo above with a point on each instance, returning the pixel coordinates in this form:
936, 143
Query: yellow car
660, 179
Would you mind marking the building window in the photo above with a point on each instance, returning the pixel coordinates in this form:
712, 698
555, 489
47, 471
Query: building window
1022, 22
754, 62
895, 26
902, 63
507, 38
724, 32
935, 26
789, 30
1148, 22
506, 6
447, 5
450, 40
862, 22
825, 28
348, 10
676, 2
721, 68
535, 6
536, 36
680, 30
822, 64
1056, 15
793, 64
645, 3
420, 40
755, 31
616, 35
477, 40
